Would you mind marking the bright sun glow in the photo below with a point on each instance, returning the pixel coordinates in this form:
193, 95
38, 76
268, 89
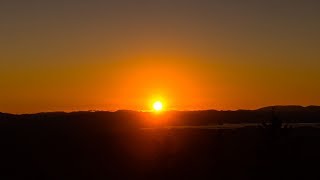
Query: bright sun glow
157, 106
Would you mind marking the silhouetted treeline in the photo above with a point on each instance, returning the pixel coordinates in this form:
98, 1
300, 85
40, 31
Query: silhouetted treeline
131, 119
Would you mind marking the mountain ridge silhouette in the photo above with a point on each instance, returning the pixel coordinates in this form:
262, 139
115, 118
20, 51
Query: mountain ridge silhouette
289, 114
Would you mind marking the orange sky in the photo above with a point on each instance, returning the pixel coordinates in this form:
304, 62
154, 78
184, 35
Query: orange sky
69, 56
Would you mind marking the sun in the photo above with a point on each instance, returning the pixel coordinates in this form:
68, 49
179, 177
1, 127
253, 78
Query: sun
157, 106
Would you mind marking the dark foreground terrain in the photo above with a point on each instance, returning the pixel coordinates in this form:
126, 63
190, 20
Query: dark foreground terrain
47, 146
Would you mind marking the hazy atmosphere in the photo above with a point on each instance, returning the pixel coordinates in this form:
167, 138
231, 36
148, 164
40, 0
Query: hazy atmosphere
160, 89
109, 55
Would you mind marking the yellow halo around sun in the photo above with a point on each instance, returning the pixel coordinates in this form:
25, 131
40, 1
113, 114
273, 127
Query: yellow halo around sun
157, 106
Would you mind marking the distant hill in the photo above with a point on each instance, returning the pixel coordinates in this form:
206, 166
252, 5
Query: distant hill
125, 118
290, 108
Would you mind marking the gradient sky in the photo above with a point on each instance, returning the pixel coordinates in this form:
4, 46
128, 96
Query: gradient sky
107, 55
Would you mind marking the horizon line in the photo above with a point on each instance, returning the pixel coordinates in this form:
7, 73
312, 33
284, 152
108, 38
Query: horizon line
164, 111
